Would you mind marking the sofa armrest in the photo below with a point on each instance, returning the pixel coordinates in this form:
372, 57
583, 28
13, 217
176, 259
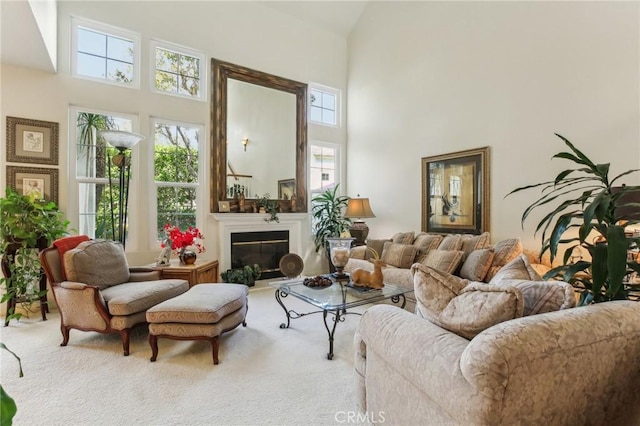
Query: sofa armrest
144, 274
359, 252
81, 305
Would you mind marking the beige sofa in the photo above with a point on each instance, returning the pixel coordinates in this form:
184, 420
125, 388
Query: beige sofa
470, 256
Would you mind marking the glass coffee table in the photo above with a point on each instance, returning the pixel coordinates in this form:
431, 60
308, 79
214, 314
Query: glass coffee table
333, 301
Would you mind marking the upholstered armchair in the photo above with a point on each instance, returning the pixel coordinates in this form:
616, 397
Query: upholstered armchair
95, 290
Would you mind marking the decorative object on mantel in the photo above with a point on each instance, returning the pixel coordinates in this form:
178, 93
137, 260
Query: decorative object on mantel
246, 275
181, 241
359, 208
589, 201
267, 205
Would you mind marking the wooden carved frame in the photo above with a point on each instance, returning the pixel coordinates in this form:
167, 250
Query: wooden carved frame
44, 180
32, 141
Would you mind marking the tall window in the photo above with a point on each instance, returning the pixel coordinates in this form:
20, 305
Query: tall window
93, 169
178, 70
324, 105
104, 53
176, 173
323, 167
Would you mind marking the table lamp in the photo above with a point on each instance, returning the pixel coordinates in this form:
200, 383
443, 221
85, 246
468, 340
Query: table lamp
359, 208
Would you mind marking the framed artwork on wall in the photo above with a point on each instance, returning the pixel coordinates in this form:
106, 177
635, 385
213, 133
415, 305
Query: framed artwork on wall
286, 188
455, 192
30, 180
32, 141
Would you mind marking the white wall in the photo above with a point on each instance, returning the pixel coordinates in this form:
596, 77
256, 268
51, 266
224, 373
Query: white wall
428, 78
245, 33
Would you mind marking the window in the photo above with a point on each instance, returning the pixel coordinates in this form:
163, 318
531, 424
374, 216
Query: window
177, 70
323, 167
104, 53
176, 161
324, 105
90, 197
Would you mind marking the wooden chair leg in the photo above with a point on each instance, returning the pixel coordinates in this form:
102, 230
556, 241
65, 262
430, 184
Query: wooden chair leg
153, 342
125, 334
65, 335
214, 349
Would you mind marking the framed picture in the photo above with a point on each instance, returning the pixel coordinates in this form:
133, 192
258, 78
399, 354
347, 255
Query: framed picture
455, 192
224, 206
32, 141
286, 188
34, 180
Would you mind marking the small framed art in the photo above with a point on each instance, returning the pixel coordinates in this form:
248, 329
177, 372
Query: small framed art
34, 180
224, 207
286, 188
32, 141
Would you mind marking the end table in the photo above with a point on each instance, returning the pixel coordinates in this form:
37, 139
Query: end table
203, 271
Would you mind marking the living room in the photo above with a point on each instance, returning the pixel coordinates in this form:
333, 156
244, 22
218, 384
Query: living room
417, 79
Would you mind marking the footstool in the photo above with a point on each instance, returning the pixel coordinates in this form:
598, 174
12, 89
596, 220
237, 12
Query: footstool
204, 312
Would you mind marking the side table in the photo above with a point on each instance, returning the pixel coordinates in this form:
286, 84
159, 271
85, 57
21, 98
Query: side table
203, 271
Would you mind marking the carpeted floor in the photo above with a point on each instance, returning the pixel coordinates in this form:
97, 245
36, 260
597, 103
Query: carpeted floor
266, 375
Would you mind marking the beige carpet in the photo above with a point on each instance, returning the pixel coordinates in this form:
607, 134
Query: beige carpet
266, 375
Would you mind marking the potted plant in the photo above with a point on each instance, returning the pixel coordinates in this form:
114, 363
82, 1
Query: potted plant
26, 223
270, 207
327, 218
8, 406
245, 275
585, 200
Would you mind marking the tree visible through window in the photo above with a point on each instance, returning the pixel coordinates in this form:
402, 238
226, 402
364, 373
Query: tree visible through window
177, 71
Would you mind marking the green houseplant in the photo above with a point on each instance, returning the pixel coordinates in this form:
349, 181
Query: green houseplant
584, 205
327, 217
8, 406
270, 207
246, 275
26, 223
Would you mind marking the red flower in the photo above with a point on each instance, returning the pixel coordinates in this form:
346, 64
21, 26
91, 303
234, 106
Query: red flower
181, 240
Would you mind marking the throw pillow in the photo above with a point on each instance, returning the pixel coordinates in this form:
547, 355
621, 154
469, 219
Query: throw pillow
477, 264
544, 296
64, 245
101, 263
403, 237
398, 255
474, 242
443, 260
376, 245
480, 306
434, 289
518, 269
505, 251
426, 242
451, 242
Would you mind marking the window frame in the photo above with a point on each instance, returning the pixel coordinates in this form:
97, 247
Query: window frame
338, 111
338, 164
108, 30
201, 193
181, 50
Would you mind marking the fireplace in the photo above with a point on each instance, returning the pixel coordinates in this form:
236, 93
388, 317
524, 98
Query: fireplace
264, 248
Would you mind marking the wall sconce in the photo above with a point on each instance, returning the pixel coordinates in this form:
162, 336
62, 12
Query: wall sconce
244, 143
123, 142
359, 208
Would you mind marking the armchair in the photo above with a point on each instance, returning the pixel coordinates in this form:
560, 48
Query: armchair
95, 290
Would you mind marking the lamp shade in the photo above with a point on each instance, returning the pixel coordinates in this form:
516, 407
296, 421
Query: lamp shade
120, 139
359, 208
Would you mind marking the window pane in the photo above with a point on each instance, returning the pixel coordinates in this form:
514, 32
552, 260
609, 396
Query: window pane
190, 66
188, 86
120, 49
94, 210
119, 71
316, 97
176, 154
92, 42
91, 66
166, 82
176, 206
328, 101
316, 113
328, 116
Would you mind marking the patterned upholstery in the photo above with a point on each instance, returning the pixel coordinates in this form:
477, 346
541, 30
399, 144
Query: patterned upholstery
403, 237
505, 251
444, 260
477, 264
474, 242
425, 243
517, 269
451, 242
101, 263
398, 255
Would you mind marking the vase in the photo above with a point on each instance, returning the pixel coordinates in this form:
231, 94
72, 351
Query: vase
187, 257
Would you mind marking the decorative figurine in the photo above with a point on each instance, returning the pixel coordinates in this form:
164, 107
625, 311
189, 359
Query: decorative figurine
165, 254
294, 200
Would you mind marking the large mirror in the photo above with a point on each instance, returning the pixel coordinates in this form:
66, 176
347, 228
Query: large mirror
259, 133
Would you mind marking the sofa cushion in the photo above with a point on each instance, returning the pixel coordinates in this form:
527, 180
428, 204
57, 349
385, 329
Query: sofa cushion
101, 263
544, 296
426, 242
434, 289
398, 255
477, 264
403, 237
505, 251
64, 245
451, 242
474, 242
444, 260
377, 245
517, 269
480, 306
134, 297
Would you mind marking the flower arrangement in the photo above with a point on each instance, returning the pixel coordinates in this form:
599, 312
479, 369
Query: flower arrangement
180, 240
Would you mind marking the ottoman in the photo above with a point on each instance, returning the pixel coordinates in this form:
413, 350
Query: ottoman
204, 312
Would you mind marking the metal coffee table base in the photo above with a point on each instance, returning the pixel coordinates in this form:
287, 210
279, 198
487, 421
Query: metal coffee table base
338, 315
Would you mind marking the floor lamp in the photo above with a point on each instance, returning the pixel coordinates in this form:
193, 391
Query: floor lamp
359, 208
123, 142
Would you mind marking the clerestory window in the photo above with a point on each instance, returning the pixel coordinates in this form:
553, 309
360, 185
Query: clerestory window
177, 70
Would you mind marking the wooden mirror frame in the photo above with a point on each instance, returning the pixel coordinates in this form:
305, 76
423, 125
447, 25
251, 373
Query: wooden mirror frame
221, 72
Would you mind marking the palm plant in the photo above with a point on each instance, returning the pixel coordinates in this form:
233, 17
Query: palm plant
328, 220
586, 200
